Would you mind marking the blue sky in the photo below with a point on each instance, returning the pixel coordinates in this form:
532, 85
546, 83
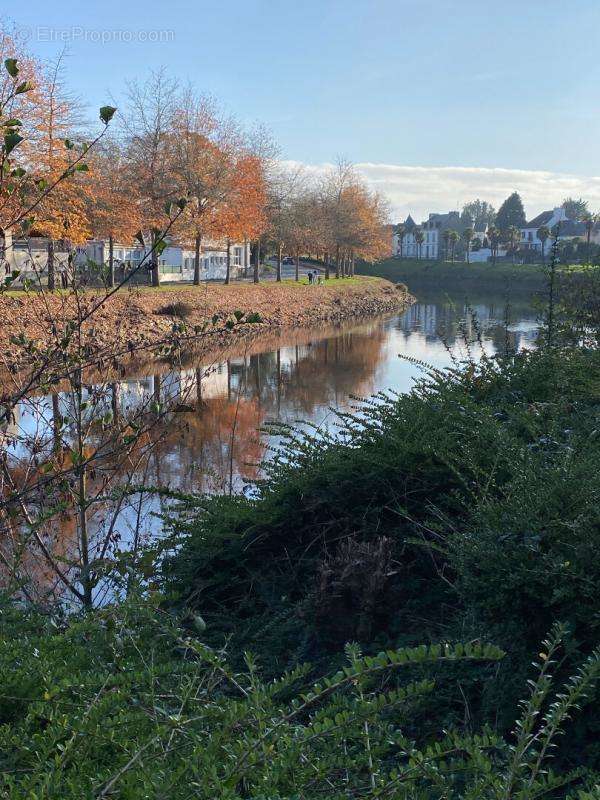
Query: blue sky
445, 83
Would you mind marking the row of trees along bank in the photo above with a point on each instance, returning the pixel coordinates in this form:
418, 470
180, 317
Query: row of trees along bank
170, 142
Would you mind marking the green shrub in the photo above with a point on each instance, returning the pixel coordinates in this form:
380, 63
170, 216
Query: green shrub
466, 508
118, 704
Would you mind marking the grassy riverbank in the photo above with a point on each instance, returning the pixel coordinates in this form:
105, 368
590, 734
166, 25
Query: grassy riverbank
459, 276
139, 318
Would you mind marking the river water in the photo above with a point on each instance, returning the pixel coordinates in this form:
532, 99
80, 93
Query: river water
214, 442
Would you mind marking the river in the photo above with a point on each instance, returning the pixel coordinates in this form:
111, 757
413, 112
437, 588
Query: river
213, 442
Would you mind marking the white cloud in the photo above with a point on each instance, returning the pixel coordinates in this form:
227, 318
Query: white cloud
421, 190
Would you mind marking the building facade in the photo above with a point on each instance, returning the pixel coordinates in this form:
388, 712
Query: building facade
556, 221
175, 263
433, 245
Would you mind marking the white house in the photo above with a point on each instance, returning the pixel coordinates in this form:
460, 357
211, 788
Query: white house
479, 233
433, 228
406, 246
567, 229
176, 263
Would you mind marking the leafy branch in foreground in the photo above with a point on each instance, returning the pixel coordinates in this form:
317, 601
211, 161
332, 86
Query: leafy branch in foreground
118, 704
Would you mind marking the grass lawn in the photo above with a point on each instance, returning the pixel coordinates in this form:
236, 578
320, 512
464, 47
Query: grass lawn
444, 274
233, 286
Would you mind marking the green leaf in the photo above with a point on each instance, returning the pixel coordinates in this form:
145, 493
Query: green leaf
13, 122
107, 113
11, 140
26, 86
82, 168
11, 67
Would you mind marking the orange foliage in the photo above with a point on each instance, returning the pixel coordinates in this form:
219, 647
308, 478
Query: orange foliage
242, 214
111, 205
62, 214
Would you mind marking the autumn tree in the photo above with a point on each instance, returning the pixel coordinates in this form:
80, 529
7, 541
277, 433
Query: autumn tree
241, 216
62, 214
19, 78
148, 123
336, 186
205, 150
302, 227
112, 208
365, 215
284, 186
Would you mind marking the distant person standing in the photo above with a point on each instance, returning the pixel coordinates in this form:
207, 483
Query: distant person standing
310, 277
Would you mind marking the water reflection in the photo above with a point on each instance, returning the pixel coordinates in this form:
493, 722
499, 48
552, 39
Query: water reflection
210, 440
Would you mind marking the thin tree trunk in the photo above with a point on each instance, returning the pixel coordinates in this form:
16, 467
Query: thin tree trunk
114, 402
326, 266
297, 266
154, 273
245, 258
56, 423
279, 260
81, 470
352, 264
257, 263
228, 273
111, 261
86, 581
337, 261
50, 267
197, 251
198, 386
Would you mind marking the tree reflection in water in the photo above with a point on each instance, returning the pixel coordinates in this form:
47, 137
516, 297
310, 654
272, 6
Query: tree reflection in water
211, 438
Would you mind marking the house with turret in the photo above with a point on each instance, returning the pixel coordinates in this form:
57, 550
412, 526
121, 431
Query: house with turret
433, 228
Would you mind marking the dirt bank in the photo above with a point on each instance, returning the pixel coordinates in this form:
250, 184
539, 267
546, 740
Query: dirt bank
137, 320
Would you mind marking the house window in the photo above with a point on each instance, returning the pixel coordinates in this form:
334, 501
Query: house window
237, 256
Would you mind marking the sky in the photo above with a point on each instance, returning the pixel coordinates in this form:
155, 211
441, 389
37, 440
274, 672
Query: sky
436, 102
